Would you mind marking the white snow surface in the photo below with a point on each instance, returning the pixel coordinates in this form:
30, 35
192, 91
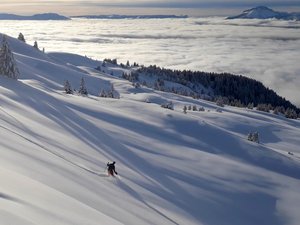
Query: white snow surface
174, 168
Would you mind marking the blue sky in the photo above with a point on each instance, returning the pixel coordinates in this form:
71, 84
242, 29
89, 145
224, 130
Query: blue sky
192, 7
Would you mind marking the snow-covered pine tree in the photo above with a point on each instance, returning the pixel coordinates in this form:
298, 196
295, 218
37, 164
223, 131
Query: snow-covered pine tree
8, 65
250, 106
201, 109
35, 45
82, 89
67, 87
102, 94
184, 109
220, 102
111, 92
291, 114
21, 37
253, 136
168, 105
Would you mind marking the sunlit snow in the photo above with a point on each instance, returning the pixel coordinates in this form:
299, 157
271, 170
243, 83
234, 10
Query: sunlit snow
174, 168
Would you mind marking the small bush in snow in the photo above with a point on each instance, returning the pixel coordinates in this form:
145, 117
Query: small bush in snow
201, 109
253, 136
219, 110
168, 105
111, 93
194, 108
102, 94
184, 109
136, 85
67, 87
189, 107
35, 45
21, 37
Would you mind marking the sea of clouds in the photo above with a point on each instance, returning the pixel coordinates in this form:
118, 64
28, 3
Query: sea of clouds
266, 50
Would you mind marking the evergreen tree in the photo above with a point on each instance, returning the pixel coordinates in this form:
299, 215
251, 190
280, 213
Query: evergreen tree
35, 45
201, 109
82, 89
168, 105
263, 107
67, 87
111, 92
184, 109
8, 65
220, 102
291, 114
102, 94
253, 137
250, 106
21, 37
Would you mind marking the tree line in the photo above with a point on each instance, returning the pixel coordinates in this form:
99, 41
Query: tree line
227, 88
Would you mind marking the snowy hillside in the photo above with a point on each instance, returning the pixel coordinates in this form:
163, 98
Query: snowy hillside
262, 12
174, 168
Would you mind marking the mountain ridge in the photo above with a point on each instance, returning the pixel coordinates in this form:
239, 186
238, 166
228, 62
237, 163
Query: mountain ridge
42, 16
263, 12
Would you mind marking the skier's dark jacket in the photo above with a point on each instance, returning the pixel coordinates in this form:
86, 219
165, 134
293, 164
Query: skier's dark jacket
111, 167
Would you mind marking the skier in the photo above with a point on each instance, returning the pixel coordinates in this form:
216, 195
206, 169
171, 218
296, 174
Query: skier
111, 169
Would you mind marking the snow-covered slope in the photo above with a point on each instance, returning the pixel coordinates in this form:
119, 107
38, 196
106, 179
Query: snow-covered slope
262, 12
174, 168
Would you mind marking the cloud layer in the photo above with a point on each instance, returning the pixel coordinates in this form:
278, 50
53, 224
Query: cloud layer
268, 51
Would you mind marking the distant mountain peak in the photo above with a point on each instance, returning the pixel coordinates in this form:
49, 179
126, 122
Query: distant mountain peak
42, 16
263, 12
261, 8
